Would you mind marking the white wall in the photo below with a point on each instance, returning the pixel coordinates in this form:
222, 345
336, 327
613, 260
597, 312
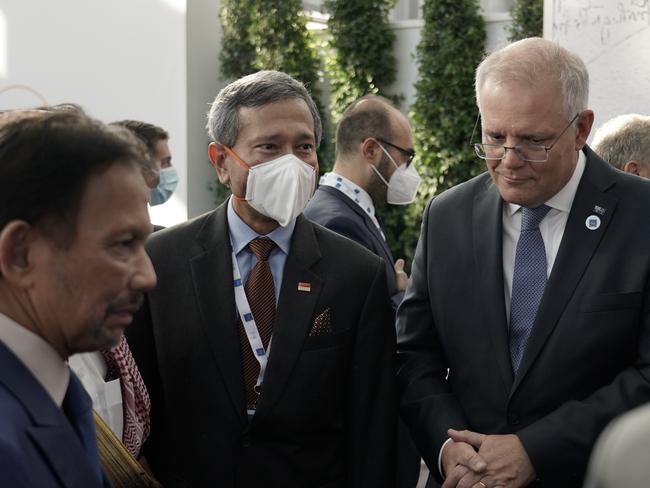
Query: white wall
118, 59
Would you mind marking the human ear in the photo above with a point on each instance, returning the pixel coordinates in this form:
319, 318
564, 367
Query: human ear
371, 151
17, 240
217, 155
631, 167
583, 128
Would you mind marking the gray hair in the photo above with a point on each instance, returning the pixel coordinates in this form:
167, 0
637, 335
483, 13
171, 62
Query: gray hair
622, 139
533, 61
255, 90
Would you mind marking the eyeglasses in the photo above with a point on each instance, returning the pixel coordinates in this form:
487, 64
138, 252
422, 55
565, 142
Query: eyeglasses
533, 153
409, 153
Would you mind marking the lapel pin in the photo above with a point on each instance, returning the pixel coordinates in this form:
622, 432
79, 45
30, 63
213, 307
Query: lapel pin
302, 286
599, 210
592, 222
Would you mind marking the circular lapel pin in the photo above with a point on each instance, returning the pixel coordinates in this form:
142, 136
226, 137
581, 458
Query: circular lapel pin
592, 222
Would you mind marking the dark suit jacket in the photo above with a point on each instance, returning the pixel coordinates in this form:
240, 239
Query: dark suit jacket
38, 446
588, 356
326, 414
331, 208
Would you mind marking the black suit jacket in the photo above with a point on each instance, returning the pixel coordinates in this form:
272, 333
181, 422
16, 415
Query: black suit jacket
326, 414
38, 445
331, 208
588, 356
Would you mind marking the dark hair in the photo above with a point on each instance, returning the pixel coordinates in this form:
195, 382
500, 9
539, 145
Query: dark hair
362, 120
148, 133
46, 159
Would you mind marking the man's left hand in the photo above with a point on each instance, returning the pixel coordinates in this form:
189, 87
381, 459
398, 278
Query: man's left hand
508, 464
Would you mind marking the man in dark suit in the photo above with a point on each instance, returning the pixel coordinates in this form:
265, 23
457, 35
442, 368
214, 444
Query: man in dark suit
374, 152
314, 406
525, 327
73, 221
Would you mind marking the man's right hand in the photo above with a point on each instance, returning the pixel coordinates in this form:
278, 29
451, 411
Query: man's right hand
400, 275
458, 460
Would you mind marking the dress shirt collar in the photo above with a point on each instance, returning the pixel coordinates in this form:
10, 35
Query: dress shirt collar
353, 191
241, 234
563, 199
38, 356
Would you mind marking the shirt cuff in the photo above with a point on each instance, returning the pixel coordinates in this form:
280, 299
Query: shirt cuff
440, 459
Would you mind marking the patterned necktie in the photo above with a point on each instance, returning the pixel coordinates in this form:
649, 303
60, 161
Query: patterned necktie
260, 292
77, 406
135, 398
528, 281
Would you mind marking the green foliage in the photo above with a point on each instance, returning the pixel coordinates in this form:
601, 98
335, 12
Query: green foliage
270, 34
359, 58
527, 19
444, 112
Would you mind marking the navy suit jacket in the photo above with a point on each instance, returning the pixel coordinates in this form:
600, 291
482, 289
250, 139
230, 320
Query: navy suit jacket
38, 446
588, 355
331, 208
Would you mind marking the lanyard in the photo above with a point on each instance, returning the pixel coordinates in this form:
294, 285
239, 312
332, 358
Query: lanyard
250, 327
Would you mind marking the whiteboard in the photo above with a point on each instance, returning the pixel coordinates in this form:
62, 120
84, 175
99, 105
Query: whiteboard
613, 38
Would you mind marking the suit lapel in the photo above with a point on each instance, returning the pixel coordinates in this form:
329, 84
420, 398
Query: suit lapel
295, 314
380, 243
370, 225
487, 237
51, 432
576, 250
212, 278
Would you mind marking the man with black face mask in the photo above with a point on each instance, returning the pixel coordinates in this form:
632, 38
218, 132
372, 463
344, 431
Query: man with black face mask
268, 348
374, 155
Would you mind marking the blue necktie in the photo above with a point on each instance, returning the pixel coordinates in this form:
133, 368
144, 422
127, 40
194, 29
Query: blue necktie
77, 407
528, 281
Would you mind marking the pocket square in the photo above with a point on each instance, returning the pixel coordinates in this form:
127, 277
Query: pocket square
321, 324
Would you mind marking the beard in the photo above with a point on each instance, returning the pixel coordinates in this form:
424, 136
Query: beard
377, 188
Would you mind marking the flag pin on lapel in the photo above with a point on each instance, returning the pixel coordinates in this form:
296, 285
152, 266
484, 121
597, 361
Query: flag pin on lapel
599, 210
303, 286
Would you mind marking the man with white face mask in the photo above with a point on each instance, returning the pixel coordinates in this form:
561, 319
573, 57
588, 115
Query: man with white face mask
268, 347
373, 167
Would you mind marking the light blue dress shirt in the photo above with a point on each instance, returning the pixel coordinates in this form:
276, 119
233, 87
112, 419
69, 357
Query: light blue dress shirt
241, 234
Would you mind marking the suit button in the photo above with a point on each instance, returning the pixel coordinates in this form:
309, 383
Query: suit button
513, 419
246, 441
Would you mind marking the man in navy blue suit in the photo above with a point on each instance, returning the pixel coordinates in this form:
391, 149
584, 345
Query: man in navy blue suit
73, 269
374, 152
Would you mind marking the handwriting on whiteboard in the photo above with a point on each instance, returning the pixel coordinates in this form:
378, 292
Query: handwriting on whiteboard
599, 24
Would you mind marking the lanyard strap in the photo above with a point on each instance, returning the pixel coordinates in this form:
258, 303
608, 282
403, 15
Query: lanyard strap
248, 321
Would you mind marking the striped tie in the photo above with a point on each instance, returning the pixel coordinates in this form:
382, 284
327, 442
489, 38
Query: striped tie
260, 292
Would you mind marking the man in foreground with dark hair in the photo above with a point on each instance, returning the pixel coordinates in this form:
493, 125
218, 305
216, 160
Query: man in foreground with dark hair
73, 221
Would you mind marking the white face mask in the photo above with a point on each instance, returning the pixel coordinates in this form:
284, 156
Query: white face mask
403, 184
280, 188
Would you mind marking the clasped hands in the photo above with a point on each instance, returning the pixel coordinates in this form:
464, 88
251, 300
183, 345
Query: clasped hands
473, 460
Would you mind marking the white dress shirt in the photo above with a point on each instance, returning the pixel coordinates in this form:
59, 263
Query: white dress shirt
91, 368
38, 356
551, 227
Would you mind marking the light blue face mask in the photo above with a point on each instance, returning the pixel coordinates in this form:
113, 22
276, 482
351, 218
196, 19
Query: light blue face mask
167, 185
